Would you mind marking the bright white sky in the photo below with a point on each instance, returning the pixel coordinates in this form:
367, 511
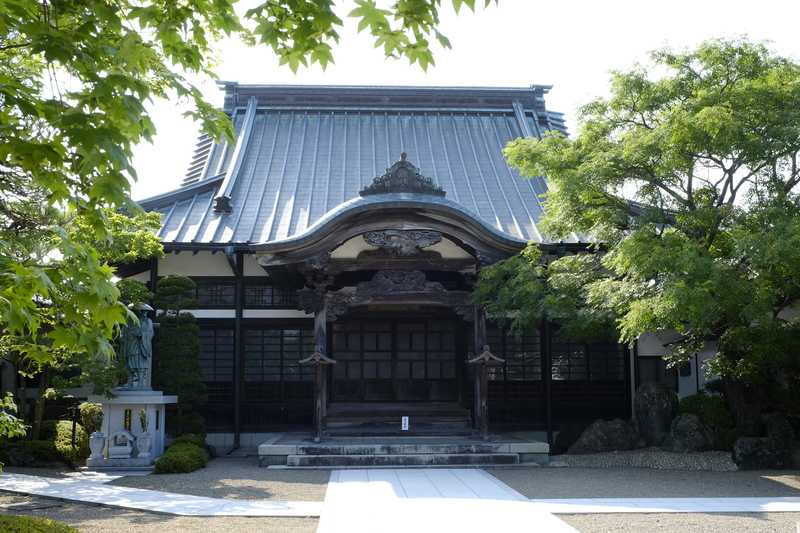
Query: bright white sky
570, 44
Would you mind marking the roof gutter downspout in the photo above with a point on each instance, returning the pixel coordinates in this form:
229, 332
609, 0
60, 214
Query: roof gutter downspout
222, 202
236, 260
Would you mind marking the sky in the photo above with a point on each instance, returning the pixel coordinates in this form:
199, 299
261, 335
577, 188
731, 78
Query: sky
572, 45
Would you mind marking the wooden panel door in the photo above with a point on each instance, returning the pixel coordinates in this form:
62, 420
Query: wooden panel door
395, 360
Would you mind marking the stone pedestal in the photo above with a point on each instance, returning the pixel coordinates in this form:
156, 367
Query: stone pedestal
121, 424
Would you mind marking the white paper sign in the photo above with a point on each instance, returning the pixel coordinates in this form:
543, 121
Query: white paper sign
404, 423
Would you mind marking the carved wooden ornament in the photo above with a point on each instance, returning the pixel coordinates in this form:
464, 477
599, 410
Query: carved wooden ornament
402, 177
403, 242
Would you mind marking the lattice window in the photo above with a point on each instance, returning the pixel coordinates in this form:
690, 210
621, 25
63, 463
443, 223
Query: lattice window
213, 294
216, 354
260, 295
576, 361
272, 355
522, 354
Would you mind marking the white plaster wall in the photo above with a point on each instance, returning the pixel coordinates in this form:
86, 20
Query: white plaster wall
143, 277
190, 264
275, 313
651, 344
210, 313
352, 247
449, 250
251, 266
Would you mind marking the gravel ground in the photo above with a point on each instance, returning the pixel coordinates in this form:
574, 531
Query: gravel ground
716, 461
238, 478
98, 519
577, 482
686, 523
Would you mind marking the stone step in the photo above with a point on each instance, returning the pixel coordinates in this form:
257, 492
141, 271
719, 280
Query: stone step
429, 459
378, 429
402, 449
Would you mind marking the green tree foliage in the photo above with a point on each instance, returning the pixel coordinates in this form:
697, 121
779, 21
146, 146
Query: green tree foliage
133, 292
688, 175
176, 349
91, 416
74, 80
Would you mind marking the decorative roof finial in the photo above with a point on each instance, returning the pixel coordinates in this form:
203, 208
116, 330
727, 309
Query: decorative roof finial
402, 177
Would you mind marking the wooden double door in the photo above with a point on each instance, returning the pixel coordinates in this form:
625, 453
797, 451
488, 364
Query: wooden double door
397, 359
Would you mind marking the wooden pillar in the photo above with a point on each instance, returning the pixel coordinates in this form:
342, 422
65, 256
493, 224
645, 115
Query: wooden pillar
238, 352
153, 274
482, 362
547, 374
319, 361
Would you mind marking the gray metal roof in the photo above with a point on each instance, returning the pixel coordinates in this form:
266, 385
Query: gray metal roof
303, 151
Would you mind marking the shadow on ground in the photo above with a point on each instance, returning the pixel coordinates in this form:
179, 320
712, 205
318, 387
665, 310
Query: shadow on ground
238, 478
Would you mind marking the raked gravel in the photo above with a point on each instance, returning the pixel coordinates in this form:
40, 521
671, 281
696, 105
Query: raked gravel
714, 461
643, 483
685, 523
238, 478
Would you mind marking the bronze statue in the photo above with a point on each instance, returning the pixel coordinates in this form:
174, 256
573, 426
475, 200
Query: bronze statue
136, 346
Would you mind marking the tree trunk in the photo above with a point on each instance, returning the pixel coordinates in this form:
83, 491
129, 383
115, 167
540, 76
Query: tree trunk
38, 410
745, 404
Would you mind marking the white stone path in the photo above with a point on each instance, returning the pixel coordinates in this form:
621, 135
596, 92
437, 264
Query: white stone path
428, 500
393, 500
89, 491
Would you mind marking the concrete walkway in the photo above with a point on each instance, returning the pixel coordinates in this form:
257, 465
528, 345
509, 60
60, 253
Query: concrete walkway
96, 491
668, 505
422, 500
393, 500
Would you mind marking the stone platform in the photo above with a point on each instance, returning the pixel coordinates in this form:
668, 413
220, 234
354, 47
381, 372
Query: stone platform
299, 450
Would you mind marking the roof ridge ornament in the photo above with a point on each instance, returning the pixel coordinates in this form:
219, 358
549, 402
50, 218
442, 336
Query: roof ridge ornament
402, 176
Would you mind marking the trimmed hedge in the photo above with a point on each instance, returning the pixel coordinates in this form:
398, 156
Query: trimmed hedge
91, 416
32, 524
55, 446
29, 453
180, 458
63, 441
713, 412
191, 438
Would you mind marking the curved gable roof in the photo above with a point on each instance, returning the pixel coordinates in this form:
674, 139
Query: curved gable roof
303, 152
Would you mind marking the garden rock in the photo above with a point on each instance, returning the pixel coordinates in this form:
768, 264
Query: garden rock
655, 405
752, 453
772, 451
606, 436
688, 434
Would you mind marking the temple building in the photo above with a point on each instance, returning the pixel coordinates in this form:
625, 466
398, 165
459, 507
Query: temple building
335, 245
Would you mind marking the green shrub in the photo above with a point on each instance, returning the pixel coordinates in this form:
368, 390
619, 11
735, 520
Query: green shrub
30, 453
181, 458
191, 438
63, 441
32, 524
47, 430
714, 413
91, 416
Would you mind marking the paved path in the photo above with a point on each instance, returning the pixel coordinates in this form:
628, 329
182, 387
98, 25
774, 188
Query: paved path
89, 491
423, 500
669, 505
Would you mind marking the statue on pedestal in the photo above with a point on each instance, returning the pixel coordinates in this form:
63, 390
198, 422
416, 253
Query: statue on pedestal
136, 346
